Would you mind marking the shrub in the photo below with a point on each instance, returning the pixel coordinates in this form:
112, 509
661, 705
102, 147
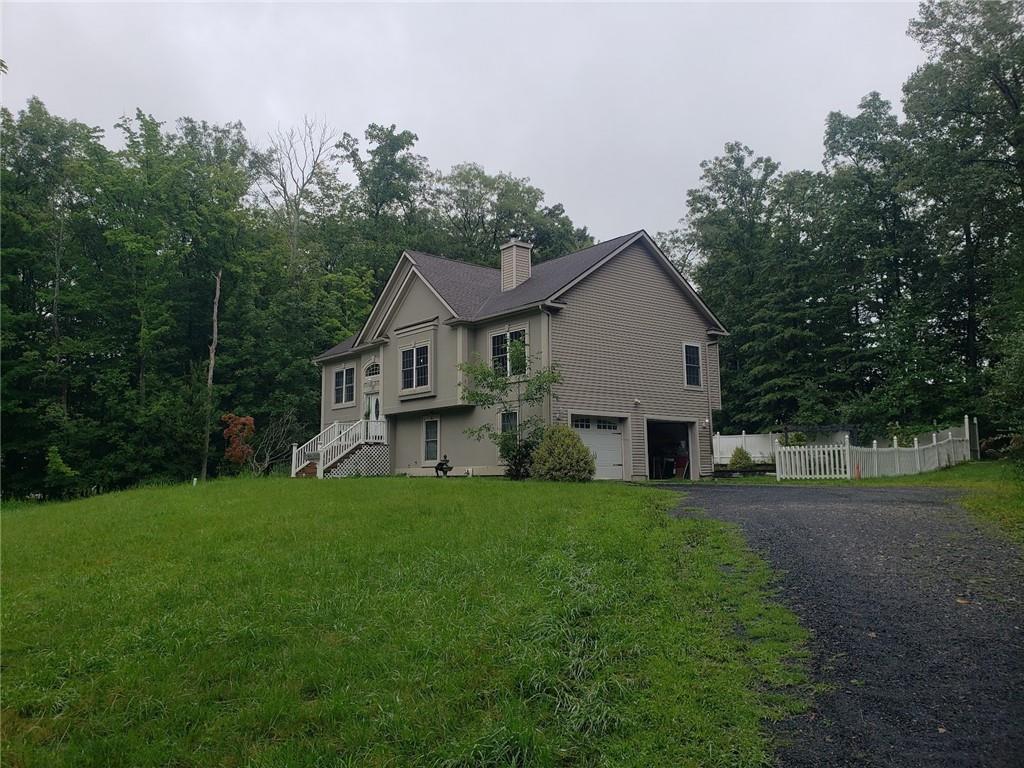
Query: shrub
562, 455
517, 453
741, 459
794, 438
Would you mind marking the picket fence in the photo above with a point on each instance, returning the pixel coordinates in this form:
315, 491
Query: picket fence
845, 461
761, 445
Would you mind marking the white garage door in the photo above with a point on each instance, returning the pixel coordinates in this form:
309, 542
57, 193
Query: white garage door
603, 436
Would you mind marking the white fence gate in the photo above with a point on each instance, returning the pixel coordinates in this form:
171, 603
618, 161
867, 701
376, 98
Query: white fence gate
845, 461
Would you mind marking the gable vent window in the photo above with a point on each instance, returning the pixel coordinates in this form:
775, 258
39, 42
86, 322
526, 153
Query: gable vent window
344, 386
691, 363
372, 370
501, 360
416, 367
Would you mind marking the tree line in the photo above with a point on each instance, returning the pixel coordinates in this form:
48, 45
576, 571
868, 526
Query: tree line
151, 288
887, 288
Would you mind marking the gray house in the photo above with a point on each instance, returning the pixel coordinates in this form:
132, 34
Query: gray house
636, 347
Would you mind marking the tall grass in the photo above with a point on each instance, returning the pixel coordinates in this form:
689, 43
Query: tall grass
387, 621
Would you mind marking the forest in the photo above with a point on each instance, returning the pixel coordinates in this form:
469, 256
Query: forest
193, 270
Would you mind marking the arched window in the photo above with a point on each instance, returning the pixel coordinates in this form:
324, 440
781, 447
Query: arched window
373, 369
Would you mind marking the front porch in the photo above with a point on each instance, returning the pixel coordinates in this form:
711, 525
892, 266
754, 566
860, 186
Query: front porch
345, 449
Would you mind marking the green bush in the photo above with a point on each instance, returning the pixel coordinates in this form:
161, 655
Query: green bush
561, 455
794, 438
741, 459
517, 453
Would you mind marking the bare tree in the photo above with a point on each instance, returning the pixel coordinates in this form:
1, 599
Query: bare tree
273, 442
299, 166
208, 414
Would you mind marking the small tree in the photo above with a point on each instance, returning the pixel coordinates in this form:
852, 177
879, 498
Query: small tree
238, 431
562, 455
526, 387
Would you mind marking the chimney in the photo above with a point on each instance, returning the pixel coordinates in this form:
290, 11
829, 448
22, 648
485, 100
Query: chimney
515, 263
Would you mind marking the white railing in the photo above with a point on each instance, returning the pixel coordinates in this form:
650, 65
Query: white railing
839, 461
300, 454
344, 437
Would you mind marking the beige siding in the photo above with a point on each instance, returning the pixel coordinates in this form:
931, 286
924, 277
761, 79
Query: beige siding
714, 377
620, 340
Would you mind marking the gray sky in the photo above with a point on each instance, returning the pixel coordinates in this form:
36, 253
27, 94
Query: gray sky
608, 108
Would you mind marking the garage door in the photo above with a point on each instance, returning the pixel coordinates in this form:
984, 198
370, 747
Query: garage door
603, 436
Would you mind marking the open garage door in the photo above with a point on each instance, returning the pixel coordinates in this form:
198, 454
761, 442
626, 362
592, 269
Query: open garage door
603, 436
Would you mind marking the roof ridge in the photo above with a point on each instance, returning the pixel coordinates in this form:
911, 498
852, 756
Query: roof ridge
454, 261
595, 245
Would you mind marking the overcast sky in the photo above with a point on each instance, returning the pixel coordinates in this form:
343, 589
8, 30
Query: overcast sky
608, 108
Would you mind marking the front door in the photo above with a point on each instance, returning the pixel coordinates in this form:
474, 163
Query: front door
371, 407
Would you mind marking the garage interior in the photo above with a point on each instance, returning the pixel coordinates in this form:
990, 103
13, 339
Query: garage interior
668, 450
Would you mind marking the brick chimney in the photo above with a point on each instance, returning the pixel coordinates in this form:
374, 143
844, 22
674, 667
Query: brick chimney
515, 263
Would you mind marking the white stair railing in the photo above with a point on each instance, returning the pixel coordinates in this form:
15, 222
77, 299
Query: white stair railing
300, 457
365, 431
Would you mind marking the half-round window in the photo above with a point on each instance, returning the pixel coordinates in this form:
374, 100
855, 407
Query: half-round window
373, 369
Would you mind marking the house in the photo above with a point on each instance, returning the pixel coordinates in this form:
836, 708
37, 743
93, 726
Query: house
636, 346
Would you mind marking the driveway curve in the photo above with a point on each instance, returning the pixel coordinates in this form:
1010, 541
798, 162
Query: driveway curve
917, 621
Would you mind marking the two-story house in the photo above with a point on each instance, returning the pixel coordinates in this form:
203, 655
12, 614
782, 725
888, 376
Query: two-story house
636, 347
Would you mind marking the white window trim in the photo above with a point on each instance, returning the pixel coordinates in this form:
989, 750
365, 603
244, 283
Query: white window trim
343, 403
424, 388
423, 441
505, 331
700, 366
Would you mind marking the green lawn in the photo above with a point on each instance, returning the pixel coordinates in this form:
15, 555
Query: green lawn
992, 490
387, 621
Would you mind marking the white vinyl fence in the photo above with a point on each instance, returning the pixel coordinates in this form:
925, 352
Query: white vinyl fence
817, 462
761, 446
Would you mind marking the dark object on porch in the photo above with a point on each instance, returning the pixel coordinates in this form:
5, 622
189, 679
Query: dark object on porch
442, 467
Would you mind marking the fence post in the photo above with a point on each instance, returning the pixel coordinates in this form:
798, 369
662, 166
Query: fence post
917, 455
295, 450
743, 439
896, 451
874, 456
849, 463
716, 448
778, 463
975, 443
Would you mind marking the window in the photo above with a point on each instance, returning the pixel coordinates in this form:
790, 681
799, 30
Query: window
500, 358
510, 421
581, 422
373, 369
691, 362
344, 385
608, 424
431, 430
416, 367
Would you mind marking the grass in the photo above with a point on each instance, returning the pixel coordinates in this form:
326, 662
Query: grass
388, 621
992, 490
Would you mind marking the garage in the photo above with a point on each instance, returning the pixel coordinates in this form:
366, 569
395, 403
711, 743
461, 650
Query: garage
603, 436
668, 450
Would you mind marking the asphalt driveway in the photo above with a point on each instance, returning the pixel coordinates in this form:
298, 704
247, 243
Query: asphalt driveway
917, 621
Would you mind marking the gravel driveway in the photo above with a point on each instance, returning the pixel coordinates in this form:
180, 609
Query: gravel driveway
917, 621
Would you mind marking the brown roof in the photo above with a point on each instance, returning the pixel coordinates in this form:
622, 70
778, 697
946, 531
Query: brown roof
474, 292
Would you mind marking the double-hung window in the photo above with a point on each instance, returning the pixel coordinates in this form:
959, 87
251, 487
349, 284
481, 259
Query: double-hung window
431, 437
344, 386
691, 364
510, 421
504, 363
416, 367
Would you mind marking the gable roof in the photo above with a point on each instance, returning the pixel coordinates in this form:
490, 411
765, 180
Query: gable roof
474, 292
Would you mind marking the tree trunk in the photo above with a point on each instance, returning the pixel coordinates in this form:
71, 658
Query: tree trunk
209, 379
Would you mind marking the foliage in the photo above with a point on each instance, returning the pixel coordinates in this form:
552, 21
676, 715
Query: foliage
520, 393
109, 258
888, 287
561, 455
61, 480
238, 431
518, 624
741, 459
793, 438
